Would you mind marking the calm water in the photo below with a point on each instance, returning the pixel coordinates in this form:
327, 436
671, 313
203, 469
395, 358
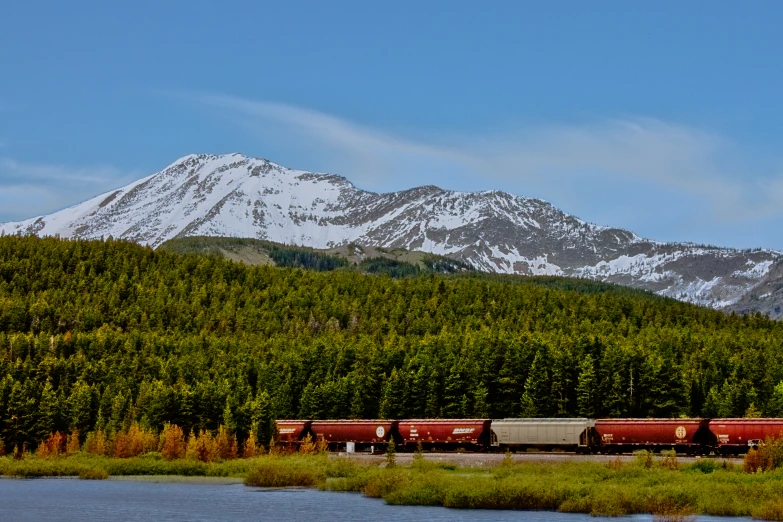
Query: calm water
68, 499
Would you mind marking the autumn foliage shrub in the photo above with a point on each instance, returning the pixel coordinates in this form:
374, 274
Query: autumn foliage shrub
72, 444
172, 442
307, 446
96, 443
225, 444
202, 447
771, 453
53, 446
767, 457
752, 462
133, 442
250, 448
208, 448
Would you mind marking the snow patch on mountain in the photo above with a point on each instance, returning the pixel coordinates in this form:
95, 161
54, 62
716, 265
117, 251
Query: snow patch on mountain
234, 195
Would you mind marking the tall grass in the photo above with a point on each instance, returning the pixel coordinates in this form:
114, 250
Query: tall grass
669, 490
655, 485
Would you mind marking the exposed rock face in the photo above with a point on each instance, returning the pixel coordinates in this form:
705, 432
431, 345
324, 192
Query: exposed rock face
234, 195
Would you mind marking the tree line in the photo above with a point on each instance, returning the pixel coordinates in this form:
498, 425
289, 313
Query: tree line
105, 335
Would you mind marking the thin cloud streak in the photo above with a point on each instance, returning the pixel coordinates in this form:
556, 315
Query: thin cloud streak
670, 157
33, 189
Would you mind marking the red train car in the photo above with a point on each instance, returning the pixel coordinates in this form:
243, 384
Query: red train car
445, 432
291, 431
361, 432
737, 435
686, 435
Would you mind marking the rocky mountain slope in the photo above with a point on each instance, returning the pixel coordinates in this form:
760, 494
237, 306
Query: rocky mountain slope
237, 196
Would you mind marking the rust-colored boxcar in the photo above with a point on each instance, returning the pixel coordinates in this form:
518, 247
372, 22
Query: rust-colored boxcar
445, 431
289, 431
358, 431
736, 435
690, 435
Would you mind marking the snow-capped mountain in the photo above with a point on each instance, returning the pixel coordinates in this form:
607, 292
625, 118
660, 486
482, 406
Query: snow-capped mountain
234, 195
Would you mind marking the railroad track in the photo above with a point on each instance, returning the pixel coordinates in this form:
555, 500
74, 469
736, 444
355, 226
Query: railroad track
488, 459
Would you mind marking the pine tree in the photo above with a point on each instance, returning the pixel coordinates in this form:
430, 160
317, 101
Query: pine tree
453, 391
228, 418
391, 406
537, 400
561, 384
416, 392
20, 426
616, 401
480, 401
508, 384
80, 407
775, 404
586, 388
48, 419
432, 409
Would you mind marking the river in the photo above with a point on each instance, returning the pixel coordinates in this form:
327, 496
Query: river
78, 500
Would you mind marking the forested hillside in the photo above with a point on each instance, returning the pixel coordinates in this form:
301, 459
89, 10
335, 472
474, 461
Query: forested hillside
99, 334
371, 260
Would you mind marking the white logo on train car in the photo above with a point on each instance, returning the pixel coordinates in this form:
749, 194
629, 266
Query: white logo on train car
680, 432
285, 431
380, 432
462, 431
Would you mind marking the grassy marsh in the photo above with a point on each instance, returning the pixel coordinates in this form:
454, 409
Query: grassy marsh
648, 485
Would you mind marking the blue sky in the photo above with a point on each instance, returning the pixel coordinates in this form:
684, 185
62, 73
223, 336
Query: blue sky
661, 117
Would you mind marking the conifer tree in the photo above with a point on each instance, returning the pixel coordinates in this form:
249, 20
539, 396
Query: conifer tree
48, 418
453, 391
432, 409
391, 406
586, 388
537, 400
80, 407
20, 424
775, 404
480, 401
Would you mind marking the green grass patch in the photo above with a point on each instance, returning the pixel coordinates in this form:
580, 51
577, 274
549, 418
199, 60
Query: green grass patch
607, 489
94, 474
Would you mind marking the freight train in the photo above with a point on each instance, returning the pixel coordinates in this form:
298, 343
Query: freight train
580, 435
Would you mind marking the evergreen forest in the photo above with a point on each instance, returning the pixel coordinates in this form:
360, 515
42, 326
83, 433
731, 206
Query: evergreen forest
103, 335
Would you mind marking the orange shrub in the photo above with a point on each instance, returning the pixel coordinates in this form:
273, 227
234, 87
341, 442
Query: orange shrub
202, 447
307, 446
134, 442
752, 461
72, 446
20, 454
226, 444
250, 449
172, 442
96, 443
53, 446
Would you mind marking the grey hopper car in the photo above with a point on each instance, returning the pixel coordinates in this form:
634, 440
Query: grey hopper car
567, 434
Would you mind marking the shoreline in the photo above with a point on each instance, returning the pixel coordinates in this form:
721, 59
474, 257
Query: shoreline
639, 484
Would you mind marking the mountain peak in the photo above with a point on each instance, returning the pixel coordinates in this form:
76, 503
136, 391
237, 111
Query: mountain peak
239, 196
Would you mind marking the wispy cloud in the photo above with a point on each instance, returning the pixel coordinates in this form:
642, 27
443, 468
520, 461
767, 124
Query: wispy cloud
30, 189
560, 163
371, 155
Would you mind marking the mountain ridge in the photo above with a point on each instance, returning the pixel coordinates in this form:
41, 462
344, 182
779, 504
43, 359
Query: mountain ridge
233, 195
